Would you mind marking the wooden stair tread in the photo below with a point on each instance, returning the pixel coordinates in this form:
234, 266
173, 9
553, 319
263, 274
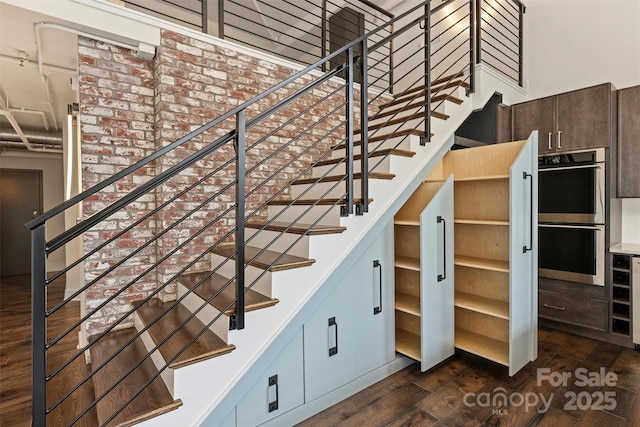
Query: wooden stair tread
435, 88
296, 227
206, 346
418, 115
333, 178
383, 137
377, 153
265, 259
154, 400
224, 295
418, 101
318, 202
435, 83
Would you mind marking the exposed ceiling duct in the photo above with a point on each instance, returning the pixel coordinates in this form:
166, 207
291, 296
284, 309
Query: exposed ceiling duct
35, 137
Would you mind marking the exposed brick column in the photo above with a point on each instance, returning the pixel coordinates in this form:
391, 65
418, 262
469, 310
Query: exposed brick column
116, 117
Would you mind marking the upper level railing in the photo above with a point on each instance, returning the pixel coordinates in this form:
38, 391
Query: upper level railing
500, 36
324, 25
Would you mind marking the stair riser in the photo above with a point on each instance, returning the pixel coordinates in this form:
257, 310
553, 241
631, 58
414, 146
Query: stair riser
401, 142
306, 214
384, 166
208, 313
332, 190
294, 244
168, 374
251, 274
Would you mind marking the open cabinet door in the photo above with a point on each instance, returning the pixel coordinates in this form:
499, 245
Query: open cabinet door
523, 206
436, 278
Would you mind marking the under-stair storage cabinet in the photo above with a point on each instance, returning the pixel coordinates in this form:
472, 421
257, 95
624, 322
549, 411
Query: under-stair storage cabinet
569, 121
423, 230
495, 245
628, 180
351, 333
279, 389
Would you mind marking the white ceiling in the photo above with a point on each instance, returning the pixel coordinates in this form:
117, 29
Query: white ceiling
21, 86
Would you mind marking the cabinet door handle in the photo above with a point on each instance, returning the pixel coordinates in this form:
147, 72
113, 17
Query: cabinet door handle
525, 248
273, 382
550, 141
443, 276
559, 141
332, 323
378, 309
555, 307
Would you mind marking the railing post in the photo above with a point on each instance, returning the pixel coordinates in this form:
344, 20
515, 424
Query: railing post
391, 66
521, 10
363, 207
221, 19
39, 325
204, 14
349, 132
472, 46
427, 74
478, 16
240, 196
323, 39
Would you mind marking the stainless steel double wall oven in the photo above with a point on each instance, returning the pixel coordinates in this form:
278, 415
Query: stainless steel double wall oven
571, 216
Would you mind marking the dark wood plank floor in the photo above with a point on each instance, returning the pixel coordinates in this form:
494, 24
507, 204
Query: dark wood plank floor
437, 397
408, 398
15, 357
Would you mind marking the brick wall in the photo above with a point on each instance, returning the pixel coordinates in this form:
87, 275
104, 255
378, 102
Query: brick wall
116, 117
130, 107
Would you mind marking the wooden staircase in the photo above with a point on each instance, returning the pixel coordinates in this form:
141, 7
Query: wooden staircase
280, 242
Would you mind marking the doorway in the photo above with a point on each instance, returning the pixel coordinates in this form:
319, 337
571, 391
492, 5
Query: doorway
20, 201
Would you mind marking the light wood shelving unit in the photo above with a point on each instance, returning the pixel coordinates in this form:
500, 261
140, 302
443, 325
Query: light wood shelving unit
416, 273
493, 297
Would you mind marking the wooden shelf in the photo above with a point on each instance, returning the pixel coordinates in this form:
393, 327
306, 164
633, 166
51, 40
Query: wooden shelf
408, 303
481, 221
483, 178
483, 263
408, 263
483, 305
408, 344
620, 317
620, 301
406, 221
621, 285
489, 348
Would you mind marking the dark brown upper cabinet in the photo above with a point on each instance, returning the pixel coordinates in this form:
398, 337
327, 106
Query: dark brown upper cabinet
629, 142
569, 121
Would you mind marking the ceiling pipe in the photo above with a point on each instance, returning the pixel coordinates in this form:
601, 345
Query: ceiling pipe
34, 137
10, 145
12, 120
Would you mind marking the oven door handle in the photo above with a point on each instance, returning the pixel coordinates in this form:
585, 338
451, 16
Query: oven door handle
581, 227
564, 168
525, 249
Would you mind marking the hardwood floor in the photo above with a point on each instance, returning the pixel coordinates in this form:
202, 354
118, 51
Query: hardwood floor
408, 398
15, 357
454, 393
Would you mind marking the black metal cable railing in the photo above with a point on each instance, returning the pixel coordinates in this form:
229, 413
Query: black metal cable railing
499, 24
195, 214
